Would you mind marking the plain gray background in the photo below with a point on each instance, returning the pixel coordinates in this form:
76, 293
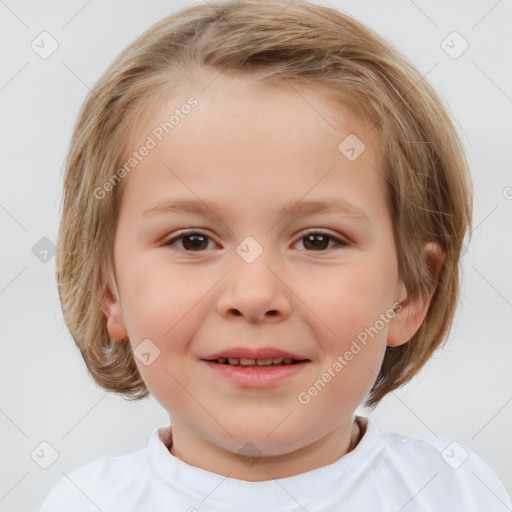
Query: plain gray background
464, 393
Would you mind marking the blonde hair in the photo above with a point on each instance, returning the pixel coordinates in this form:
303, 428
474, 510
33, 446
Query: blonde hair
429, 188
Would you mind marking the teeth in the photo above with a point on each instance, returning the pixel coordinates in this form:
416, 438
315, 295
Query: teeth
264, 361
235, 361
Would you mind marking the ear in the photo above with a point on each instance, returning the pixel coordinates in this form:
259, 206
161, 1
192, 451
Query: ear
113, 311
412, 311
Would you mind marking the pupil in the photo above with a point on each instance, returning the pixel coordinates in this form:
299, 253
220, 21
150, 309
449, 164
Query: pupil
313, 239
196, 241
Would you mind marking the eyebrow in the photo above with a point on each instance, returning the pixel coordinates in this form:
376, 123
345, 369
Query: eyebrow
294, 207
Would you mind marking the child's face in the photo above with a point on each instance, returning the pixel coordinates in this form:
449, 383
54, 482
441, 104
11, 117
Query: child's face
247, 151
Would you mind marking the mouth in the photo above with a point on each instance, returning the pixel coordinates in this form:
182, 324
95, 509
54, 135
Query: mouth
256, 357
246, 372
256, 363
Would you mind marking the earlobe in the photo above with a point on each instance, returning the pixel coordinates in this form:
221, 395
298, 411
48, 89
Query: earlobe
405, 323
397, 334
114, 313
412, 310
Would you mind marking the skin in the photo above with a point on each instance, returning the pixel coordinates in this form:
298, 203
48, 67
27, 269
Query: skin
249, 149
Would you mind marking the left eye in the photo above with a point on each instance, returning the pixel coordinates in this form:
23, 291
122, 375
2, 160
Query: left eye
314, 239
320, 240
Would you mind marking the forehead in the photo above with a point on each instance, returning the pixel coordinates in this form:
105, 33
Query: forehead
257, 142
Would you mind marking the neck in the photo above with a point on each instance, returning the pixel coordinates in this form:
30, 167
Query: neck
250, 465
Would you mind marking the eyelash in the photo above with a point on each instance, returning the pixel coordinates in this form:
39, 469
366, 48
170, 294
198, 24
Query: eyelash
184, 234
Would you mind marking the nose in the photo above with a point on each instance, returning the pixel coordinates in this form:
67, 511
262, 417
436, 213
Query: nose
256, 291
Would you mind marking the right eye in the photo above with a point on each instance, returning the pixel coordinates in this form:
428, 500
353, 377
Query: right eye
192, 241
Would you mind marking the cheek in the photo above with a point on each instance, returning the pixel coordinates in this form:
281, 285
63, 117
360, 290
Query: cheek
163, 300
163, 309
351, 298
351, 303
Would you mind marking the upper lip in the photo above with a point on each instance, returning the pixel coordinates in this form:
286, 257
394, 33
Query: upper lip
254, 353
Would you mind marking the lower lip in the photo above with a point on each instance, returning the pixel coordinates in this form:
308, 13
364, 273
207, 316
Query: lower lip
256, 377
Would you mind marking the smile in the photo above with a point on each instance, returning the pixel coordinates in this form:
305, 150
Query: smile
256, 363
252, 373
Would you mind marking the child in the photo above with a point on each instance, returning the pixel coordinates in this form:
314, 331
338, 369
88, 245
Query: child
263, 216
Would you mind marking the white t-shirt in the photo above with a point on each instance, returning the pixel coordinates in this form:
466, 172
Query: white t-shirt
384, 472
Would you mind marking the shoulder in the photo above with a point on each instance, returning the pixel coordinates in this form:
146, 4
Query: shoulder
87, 487
446, 470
